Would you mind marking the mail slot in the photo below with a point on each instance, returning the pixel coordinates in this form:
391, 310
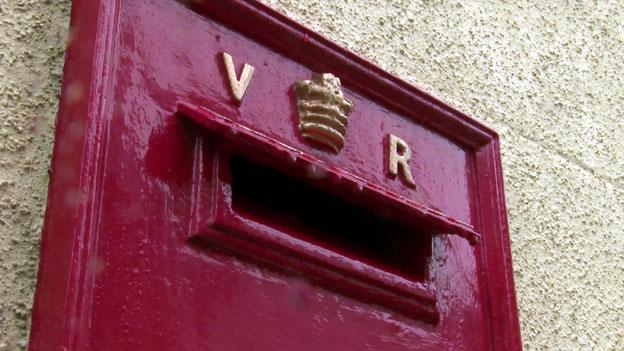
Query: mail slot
239, 182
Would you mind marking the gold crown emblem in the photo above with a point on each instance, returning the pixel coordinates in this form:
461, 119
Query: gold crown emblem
323, 110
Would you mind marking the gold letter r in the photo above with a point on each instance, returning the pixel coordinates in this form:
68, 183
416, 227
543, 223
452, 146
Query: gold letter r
399, 156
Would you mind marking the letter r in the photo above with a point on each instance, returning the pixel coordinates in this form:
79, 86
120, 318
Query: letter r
398, 157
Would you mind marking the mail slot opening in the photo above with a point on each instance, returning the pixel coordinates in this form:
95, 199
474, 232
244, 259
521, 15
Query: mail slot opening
310, 214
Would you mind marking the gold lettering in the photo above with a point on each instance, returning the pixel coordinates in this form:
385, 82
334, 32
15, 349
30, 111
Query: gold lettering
399, 155
238, 87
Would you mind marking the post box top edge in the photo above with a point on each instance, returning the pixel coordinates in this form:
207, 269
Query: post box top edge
280, 32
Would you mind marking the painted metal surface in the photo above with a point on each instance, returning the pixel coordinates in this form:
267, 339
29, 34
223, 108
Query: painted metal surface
143, 249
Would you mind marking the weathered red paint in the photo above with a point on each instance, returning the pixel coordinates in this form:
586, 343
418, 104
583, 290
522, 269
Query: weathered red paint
142, 249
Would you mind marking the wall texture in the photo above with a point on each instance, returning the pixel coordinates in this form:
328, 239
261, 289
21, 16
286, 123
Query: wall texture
548, 76
32, 42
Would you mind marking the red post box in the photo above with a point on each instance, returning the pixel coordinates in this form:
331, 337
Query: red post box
225, 179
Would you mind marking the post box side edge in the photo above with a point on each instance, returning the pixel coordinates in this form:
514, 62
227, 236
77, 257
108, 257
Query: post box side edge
70, 222
494, 252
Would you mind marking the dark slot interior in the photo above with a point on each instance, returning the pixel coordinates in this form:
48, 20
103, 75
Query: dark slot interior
308, 213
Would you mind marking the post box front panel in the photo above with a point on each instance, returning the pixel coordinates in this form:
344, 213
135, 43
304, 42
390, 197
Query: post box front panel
157, 275
183, 63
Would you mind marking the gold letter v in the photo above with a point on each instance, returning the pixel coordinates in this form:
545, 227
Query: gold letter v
238, 87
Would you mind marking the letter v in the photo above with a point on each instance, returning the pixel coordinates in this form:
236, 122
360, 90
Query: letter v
237, 87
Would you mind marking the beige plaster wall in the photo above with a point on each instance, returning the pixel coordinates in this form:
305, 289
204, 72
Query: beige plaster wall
32, 42
547, 75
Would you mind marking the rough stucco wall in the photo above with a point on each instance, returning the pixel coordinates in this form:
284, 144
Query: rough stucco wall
547, 76
32, 42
